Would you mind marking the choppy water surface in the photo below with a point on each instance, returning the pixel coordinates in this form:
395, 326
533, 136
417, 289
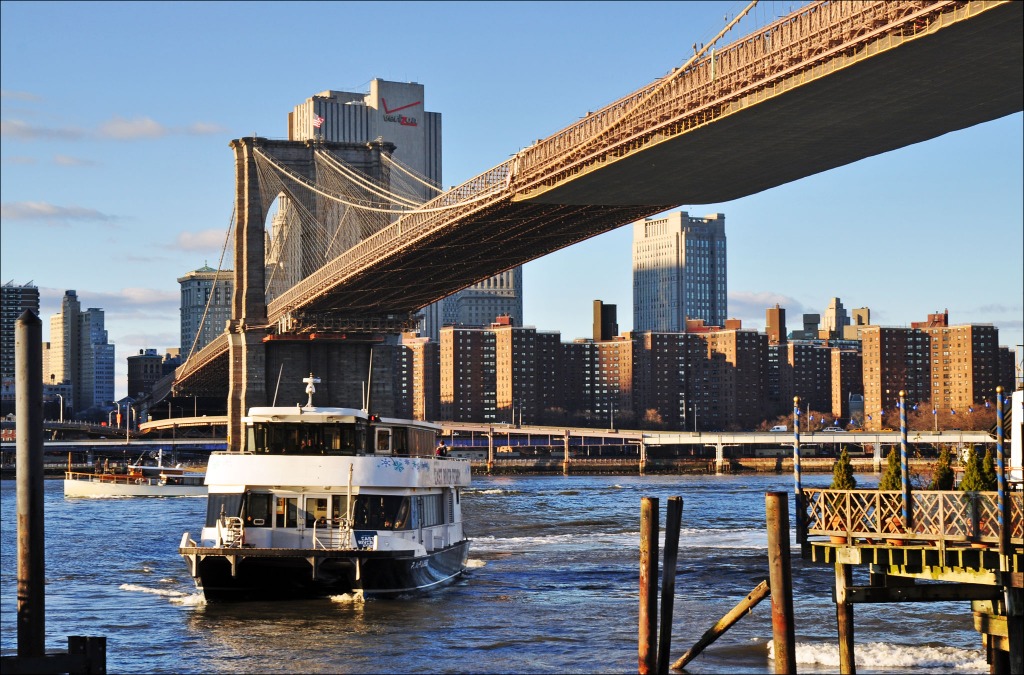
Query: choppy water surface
552, 588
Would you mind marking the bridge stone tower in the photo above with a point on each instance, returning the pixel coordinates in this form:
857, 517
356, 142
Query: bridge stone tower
251, 349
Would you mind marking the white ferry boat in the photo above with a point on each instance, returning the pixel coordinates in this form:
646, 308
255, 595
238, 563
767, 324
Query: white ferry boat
140, 479
327, 501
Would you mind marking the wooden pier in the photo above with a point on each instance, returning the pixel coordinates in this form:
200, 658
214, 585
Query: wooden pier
947, 546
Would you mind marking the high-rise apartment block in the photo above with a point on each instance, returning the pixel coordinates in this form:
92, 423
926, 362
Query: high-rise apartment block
395, 112
949, 368
144, 370
15, 300
79, 354
205, 306
775, 324
679, 272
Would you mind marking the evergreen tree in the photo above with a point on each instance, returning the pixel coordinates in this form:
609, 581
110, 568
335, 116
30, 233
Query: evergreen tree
892, 479
973, 480
988, 471
943, 477
842, 473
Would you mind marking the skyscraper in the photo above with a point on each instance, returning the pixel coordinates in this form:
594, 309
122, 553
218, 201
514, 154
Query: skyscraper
14, 301
395, 112
206, 303
679, 272
80, 355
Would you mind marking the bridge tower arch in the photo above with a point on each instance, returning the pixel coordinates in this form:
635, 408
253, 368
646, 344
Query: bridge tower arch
248, 329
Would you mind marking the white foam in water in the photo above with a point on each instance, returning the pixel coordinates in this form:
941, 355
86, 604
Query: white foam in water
154, 591
193, 600
883, 656
473, 563
349, 598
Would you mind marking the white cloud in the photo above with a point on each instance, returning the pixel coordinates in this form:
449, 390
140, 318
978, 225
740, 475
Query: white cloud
42, 211
67, 160
205, 240
24, 131
122, 129
19, 95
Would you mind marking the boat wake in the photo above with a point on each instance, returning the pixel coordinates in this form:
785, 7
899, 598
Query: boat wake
348, 598
475, 563
177, 597
886, 657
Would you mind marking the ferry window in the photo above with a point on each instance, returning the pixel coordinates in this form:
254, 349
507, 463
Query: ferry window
399, 442
339, 506
316, 507
379, 512
383, 440
218, 504
287, 512
433, 510
257, 510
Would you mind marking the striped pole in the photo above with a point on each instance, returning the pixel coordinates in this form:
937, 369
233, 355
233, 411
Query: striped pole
801, 530
1001, 496
904, 461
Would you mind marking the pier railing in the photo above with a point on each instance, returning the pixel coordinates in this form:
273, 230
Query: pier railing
945, 517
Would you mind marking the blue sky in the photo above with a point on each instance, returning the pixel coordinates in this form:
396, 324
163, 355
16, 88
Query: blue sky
117, 177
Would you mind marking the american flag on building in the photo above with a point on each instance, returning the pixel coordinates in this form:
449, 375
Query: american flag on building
317, 121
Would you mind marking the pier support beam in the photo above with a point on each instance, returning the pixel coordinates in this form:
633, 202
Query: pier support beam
28, 406
565, 461
781, 581
844, 619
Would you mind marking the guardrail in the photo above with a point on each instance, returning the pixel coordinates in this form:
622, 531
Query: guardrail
945, 517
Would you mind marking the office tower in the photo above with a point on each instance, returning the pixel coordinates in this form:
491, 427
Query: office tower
80, 355
205, 307
144, 370
97, 361
605, 321
395, 112
775, 324
836, 320
859, 318
14, 301
679, 272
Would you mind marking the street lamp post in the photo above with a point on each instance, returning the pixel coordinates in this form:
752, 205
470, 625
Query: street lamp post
110, 416
61, 407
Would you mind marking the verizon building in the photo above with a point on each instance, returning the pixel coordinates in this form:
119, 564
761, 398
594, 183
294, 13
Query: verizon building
395, 112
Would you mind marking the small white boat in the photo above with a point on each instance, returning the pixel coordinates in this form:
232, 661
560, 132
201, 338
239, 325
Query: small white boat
140, 480
327, 501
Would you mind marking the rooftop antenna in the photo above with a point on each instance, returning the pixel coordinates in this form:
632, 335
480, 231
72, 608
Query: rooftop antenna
310, 389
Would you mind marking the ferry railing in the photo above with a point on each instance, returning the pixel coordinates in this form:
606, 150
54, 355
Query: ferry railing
942, 517
332, 534
230, 532
113, 479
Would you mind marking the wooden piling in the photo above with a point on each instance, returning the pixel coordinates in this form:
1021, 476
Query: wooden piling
725, 623
648, 655
673, 521
28, 387
781, 581
844, 619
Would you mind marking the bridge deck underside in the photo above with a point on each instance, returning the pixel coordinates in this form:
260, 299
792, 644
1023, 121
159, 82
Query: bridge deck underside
963, 75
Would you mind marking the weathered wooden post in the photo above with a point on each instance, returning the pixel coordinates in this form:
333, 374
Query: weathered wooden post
781, 582
28, 405
673, 520
844, 619
648, 656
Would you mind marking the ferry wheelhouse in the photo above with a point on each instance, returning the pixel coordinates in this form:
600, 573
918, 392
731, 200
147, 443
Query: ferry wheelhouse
327, 501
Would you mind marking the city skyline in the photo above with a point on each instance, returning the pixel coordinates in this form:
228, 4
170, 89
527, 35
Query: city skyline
125, 155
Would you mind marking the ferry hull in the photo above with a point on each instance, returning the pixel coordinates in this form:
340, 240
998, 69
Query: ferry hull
284, 574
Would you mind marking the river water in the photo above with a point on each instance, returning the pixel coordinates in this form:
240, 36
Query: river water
552, 588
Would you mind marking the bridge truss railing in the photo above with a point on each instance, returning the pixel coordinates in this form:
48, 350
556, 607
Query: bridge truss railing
818, 33
936, 516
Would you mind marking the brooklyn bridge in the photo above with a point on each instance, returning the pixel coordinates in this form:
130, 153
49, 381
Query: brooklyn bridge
827, 85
